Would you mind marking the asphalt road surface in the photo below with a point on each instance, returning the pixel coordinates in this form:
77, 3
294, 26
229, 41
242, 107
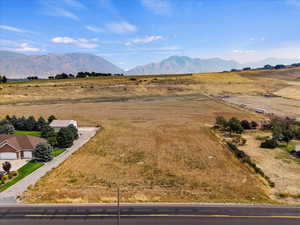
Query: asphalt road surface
146, 214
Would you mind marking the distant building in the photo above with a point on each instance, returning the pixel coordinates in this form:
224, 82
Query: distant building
297, 148
18, 146
58, 124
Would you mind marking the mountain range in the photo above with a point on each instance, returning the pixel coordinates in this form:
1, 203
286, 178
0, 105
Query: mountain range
17, 65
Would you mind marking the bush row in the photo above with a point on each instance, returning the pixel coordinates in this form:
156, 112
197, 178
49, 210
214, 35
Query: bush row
241, 155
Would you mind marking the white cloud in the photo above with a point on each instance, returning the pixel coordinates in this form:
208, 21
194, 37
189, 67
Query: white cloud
121, 27
24, 47
144, 40
74, 3
161, 7
9, 28
65, 13
94, 29
55, 8
81, 42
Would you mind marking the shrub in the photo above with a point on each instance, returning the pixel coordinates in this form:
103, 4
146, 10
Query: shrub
245, 124
5, 178
7, 129
12, 174
6, 166
269, 143
253, 125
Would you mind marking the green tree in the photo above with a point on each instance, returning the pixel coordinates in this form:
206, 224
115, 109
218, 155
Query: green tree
52, 141
65, 138
20, 123
235, 126
30, 123
7, 129
51, 118
40, 124
43, 152
47, 132
74, 131
221, 122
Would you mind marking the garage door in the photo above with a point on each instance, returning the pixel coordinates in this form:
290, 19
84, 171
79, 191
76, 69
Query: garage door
8, 155
27, 155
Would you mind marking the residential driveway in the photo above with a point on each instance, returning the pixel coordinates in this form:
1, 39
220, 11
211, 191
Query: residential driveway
10, 194
15, 164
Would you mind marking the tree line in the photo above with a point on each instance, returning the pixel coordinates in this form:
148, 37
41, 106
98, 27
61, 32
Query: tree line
267, 67
82, 75
3, 79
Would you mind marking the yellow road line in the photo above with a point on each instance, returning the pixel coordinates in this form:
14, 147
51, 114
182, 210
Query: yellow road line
159, 215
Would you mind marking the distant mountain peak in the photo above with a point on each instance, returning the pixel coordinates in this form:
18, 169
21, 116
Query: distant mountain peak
184, 64
15, 65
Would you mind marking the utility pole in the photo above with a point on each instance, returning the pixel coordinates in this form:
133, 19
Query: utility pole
119, 210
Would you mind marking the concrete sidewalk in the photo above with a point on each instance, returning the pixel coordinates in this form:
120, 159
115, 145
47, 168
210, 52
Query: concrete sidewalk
10, 195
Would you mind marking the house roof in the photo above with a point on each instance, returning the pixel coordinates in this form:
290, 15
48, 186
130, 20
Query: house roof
62, 123
18, 142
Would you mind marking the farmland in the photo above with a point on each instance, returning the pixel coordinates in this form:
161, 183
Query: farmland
156, 144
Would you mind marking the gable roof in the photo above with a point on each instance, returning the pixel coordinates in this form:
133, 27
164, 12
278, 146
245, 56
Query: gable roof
18, 142
62, 123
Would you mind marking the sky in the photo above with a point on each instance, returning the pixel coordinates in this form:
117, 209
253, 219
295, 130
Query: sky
136, 32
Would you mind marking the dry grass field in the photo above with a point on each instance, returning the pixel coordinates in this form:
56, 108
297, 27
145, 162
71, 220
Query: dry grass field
91, 89
159, 150
279, 165
156, 142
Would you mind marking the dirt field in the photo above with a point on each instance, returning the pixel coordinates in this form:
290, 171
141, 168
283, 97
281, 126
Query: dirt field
279, 165
279, 106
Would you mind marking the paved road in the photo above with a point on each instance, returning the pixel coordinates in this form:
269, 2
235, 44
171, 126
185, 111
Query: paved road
146, 214
10, 194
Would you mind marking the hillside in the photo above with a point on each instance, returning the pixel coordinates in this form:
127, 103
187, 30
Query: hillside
15, 65
184, 64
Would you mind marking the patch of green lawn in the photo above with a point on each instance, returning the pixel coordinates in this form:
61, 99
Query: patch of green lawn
57, 151
24, 171
32, 133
